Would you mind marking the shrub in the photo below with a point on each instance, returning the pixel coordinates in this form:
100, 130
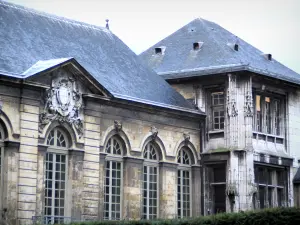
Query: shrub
276, 216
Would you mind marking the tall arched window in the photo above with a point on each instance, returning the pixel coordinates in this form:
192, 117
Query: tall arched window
183, 184
1, 165
150, 182
113, 179
56, 176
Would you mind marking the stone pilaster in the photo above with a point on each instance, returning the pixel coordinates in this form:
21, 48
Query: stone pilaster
91, 167
11, 180
76, 182
28, 156
132, 195
168, 190
196, 191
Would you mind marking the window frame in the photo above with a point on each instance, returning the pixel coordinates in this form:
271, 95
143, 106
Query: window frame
154, 163
270, 182
56, 150
210, 92
220, 108
110, 158
180, 169
269, 127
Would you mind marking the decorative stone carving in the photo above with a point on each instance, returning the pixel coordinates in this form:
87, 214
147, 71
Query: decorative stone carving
63, 104
154, 132
118, 125
231, 98
1, 105
231, 189
186, 137
248, 108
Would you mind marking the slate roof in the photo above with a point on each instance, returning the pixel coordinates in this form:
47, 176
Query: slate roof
32, 41
217, 55
296, 179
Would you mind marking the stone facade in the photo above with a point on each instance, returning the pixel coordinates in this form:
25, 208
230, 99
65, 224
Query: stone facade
243, 145
43, 106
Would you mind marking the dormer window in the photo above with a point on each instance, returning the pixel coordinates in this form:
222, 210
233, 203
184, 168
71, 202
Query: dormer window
268, 56
236, 47
197, 45
160, 50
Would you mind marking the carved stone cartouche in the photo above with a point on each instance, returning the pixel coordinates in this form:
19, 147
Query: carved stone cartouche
63, 103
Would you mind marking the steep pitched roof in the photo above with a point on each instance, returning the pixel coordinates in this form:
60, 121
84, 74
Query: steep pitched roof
31, 41
216, 55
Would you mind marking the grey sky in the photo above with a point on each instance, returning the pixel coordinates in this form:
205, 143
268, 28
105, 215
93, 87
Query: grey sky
273, 26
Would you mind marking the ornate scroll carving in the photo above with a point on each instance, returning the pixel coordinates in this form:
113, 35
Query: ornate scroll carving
63, 103
118, 125
154, 132
186, 137
231, 101
248, 108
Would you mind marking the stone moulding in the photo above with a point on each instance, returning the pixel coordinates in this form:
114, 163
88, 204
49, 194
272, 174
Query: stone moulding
63, 103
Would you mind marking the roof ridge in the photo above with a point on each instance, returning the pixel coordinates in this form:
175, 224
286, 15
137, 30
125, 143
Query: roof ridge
53, 16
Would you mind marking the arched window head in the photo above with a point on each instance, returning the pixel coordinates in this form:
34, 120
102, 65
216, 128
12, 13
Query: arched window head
114, 146
1, 133
150, 152
183, 157
57, 138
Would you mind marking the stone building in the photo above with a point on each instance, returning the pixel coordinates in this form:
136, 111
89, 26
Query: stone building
251, 139
89, 132
86, 131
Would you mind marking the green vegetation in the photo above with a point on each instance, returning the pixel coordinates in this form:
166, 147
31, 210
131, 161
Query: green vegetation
277, 216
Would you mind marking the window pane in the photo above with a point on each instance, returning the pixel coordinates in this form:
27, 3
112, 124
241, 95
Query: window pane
183, 193
150, 192
112, 191
54, 193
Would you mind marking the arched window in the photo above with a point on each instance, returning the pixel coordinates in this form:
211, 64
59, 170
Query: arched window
113, 178
183, 184
56, 176
150, 182
1, 165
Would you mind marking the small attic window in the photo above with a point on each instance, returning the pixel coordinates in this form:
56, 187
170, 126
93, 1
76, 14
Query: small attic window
236, 47
268, 56
197, 45
160, 50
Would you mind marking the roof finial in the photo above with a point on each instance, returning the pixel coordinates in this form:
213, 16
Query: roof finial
107, 26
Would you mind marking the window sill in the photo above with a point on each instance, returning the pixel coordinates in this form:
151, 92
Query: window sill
216, 134
268, 137
215, 131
